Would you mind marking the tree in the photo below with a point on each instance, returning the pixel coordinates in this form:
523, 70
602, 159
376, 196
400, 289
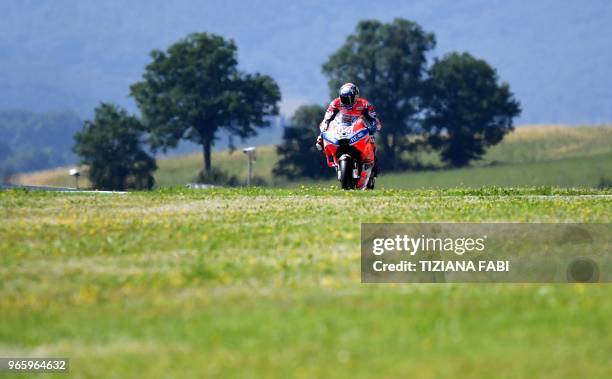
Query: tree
194, 89
111, 145
387, 62
468, 109
298, 156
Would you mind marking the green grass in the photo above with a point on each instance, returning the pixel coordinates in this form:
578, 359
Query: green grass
539, 155
184, 169
547, 143
266, 283
588, 171
558, 148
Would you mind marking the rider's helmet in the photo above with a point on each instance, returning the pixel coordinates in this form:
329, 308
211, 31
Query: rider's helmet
349, 93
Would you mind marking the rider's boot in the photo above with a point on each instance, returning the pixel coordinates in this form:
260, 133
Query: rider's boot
375, 169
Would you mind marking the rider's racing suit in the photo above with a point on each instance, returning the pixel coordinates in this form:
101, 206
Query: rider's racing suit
362, 107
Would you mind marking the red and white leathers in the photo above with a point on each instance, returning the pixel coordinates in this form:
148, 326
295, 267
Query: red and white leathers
362, 107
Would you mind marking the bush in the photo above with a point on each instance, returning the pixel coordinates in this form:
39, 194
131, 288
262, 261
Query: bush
218, 177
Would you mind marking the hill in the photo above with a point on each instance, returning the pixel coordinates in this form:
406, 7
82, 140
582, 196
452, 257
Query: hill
536, 155
34, 141
541, 155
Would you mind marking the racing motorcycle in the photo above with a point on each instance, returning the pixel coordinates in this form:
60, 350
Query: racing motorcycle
348, 149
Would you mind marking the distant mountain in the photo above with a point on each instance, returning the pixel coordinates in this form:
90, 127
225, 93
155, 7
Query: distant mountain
64, 54
34, 141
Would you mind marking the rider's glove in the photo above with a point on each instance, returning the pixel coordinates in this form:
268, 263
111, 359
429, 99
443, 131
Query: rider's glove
372, 129
319, 143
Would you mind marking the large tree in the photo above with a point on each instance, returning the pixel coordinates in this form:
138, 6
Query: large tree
194, 89
468, 109
297, 153
387, 62
111, 146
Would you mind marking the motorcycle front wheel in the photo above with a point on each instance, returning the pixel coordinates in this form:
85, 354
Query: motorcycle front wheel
346, 174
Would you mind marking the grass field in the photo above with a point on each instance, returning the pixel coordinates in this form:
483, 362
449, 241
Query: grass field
266, 283
588, 171
532, 156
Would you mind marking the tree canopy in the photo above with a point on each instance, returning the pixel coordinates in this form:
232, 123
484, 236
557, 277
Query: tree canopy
111, 147
194, 88
467, 108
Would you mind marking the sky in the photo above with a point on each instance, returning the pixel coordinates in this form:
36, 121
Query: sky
57, 55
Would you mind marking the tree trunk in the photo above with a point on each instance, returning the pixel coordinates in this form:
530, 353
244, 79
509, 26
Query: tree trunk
206, 154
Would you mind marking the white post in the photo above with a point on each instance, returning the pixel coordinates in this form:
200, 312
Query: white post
75, 172
250, 152
250, 171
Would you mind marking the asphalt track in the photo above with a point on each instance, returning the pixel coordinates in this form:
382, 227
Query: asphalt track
54, 189
467, 197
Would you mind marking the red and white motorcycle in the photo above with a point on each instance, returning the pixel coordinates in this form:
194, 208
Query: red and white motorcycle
348, 148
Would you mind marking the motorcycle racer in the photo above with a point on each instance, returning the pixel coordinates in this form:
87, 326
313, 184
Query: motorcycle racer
351, 104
